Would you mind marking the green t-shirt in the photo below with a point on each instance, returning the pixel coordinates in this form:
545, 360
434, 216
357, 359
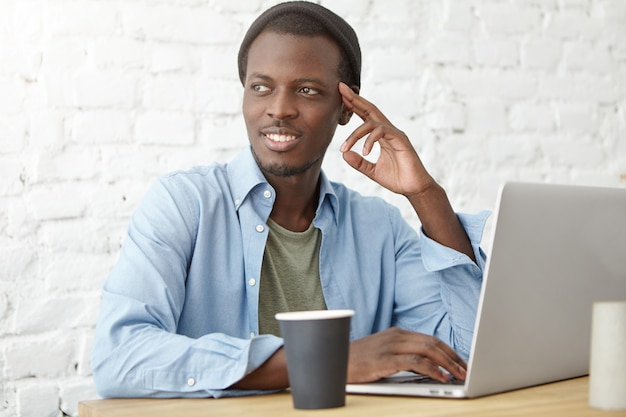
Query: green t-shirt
290, 275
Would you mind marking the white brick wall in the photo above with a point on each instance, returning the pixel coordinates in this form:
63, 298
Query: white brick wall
98, 98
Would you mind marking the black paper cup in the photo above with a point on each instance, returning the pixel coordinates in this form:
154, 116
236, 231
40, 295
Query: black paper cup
316, 345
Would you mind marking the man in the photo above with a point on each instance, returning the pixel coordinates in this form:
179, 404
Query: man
213, 253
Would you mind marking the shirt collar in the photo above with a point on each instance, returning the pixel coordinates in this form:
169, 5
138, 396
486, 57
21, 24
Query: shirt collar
244, 175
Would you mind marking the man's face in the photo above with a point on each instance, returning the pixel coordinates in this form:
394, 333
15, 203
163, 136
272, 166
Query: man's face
291, 104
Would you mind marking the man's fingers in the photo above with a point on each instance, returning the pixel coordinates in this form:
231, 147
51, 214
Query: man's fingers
360, 106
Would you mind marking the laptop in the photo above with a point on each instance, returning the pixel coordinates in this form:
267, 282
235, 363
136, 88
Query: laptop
555, 250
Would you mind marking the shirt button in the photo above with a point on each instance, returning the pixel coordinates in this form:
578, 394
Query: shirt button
237, 201
191, 382
252, 282
252, 335
260, 228
267, 193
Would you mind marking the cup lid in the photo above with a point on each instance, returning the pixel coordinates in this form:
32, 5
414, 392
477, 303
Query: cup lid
314, 315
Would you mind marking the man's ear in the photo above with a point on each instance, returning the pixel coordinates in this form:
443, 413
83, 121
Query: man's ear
345, 113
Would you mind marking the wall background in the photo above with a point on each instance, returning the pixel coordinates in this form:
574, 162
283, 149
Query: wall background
98, 97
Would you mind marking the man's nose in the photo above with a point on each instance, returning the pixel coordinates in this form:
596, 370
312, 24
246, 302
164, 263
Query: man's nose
282, 105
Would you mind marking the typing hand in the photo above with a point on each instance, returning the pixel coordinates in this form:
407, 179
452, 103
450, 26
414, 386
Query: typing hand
394, 350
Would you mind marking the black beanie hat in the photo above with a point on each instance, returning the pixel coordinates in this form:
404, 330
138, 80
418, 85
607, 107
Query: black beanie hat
337, 27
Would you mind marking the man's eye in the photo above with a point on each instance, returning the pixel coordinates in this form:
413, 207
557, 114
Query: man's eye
260, 88
309, 91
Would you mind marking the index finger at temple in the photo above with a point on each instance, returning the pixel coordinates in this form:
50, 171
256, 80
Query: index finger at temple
360, 106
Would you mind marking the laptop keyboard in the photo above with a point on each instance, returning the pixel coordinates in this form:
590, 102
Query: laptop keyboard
419, 379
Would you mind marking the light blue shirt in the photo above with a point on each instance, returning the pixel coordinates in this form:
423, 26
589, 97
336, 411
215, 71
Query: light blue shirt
179, 314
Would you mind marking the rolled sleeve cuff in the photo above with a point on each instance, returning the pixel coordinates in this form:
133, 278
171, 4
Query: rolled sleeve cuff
437, 257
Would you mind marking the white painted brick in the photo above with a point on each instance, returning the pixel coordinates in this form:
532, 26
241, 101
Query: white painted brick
19, 224
13, 92
120, 53
458, 16
392, 63
74, 392
588, 58
502, 18
46, 129
67, 54
38, 399
528, 117
448, 117
541, 53
104, 89
178, 24
215, 97
488, 83
573, 24
583, 88
570, 152
58, 200
12, 133
71, 272
122, 162
101, 127
80, 236
169, 92
220, 62
174, 58
486, 117
117, 198
32, 314
85, 348
28, 20
49, 358
446, 48
399, 105
496, 52
218, 135
576, 118
86, 18
72, 163
21, 58
57, 88
11, 172
165, 128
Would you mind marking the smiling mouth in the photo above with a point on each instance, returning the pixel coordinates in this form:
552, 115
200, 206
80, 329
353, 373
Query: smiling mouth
280, 138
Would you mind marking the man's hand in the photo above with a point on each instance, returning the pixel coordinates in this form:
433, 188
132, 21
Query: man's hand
394, 350
398, 167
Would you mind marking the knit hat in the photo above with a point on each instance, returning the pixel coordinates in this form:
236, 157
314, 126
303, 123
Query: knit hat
337, 28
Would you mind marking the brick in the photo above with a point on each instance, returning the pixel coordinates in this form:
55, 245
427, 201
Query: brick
27, 17
529, 117
175, 58
508, 19
81, 236
486, 117
577, 119
573, 24
227, 134
72, 163
566, 151
448, 49
86, 18
12, 133
49, 358
12, 174
101, 127
19, 58
578, 88
541, 53
75, 391
165, 128
18, 259
38, 399
120, 53
459, 17
50, 201
170, 92
32, 315
13, 93
46, 129
66, 54
179, 24
496, 52
223, 98
71, 272
588, 58
447, 117
490, 83
104, 89
219, 62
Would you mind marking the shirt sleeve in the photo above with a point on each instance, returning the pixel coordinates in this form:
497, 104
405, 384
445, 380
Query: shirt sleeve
137, 351
441, 297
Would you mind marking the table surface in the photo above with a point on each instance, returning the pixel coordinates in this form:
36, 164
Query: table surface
565, 398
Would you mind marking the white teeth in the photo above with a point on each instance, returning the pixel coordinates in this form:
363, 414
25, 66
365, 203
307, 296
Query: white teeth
280, 138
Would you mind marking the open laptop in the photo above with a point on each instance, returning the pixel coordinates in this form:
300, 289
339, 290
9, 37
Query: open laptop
556, 249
